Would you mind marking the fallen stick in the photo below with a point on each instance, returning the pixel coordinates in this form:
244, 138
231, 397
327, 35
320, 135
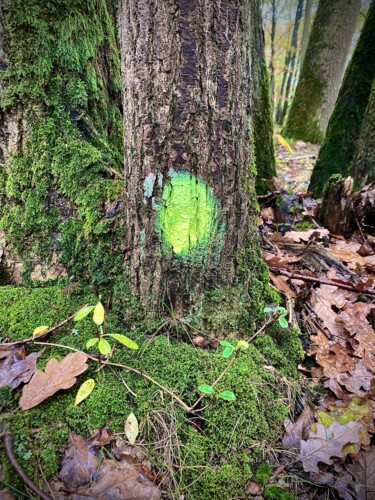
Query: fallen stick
16, 466
322, 281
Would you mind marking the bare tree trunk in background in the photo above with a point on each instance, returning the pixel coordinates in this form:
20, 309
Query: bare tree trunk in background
293, 63
322, 71
190, 212
344, 128
363, 167
272, 59
306, 30
290, 60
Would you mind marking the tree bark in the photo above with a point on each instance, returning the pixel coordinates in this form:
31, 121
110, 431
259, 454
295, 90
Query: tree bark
290, 60
339, 146
322, 71
261, 108
189, 210
363, 167
306, 30
272, 58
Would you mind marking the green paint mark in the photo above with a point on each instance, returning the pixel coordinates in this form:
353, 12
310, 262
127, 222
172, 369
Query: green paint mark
188, 213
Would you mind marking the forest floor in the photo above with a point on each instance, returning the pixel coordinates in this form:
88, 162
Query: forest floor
327, 282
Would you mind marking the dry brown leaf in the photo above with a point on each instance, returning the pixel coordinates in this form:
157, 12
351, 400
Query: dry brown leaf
327, 444
298, 430
363, 472
254, 488
281, 283
299, 236
57, 375
79, 464
268, 215
15, 367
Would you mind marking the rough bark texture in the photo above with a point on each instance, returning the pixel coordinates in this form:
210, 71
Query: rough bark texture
190, 209
306, 30
339, 146
363, 168
261, 108
322, 69
60, 140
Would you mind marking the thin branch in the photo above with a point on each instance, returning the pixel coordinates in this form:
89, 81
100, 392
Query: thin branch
45, 334
19, 470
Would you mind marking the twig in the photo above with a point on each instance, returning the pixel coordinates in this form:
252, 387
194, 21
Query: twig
45, 334
19, 470
124, 367
270, 320
322, 281
358, 224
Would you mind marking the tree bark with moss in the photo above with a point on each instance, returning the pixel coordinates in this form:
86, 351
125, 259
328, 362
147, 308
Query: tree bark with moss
322, 70
190, 207
339, 147
363, 167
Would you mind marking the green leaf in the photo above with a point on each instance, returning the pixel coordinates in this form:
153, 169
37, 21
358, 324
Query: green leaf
91, 342
98, 316
40, 329
242, 344
224, 343
283, 322
227, 396
83, 313
268, 309
206, 389
104, 347
228, 351
124, 340
131, 428
84, 391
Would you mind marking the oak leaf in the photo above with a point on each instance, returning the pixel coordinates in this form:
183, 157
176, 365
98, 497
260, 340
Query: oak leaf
57, 375
15, 366
363, 472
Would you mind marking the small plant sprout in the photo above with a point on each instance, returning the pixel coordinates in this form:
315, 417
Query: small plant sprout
102, 343
229, 348
208, 390
281, 313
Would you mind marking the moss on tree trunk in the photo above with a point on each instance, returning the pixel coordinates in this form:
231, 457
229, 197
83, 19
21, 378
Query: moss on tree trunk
190, 208
339, 146
61, 141
363, 167
322, 70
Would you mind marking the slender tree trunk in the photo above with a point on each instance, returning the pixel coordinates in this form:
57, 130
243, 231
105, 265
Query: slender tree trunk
261, 107
363, 167
339, 146
189, 210
322, 71
306, 30
272, 59
293, 63
290, 59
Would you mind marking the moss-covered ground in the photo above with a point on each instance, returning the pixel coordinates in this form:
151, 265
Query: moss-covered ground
212, 456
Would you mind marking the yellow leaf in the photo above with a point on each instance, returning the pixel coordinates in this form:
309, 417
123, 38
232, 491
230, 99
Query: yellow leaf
131, 428
40, 329
84, 391
98, 316
284, 143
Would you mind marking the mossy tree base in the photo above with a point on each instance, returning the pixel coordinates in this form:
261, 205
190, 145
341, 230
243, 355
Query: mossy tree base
223, 445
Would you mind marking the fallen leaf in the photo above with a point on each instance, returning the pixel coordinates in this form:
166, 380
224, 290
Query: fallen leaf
79, 464
281, 283
363, 472
15, 366
326, 445
57, 375
254, 488
298, 430
84, 391
299, 236
131, 428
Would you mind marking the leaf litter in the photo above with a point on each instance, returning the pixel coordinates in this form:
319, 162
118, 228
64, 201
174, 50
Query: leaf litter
332, 441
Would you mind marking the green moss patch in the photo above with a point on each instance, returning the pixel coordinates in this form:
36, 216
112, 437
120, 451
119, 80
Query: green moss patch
213, 452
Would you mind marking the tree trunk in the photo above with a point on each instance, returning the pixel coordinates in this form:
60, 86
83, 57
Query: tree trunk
339, 146
322, 71
261, 109
61, 141
306, 30
289, 66
190, 210
272, 58
363, 168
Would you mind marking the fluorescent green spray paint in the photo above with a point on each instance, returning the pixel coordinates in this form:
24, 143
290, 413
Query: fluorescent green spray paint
188, 213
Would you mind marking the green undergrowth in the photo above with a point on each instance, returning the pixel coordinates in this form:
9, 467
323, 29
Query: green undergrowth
60, 190
214, 452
